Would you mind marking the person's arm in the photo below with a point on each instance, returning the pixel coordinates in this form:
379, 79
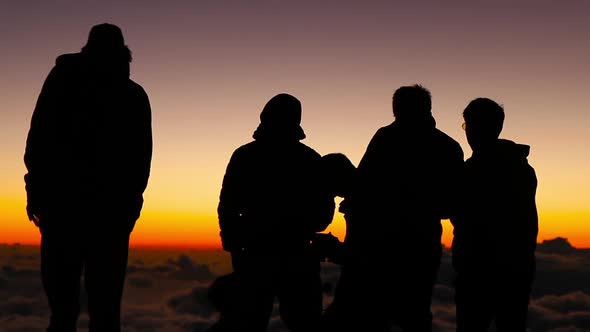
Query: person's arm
372, 154
525, 208
38, 146
323, 202
364, 176
228, 210
144, 144
450, 197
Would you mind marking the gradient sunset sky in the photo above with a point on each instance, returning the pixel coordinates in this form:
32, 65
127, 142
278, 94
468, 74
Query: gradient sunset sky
210, 66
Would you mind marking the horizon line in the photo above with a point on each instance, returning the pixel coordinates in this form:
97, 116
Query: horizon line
204, 247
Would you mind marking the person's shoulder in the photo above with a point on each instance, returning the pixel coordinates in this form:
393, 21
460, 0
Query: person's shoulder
69, 60
385, 132
441, 135
248, 151
444, 138
388, 129
67, 65
309, 151
137, 88
246, 148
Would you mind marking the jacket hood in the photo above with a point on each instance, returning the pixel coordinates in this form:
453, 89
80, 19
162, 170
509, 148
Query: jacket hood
507, 150
512, 149
280, 119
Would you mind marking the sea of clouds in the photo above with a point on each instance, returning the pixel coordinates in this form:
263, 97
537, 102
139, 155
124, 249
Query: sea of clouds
166, 291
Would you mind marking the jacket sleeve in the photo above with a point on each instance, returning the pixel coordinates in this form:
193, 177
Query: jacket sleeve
323, 203
451, 184
38, 145
369, 159
525, 209
228, 209
366, 170
144, 145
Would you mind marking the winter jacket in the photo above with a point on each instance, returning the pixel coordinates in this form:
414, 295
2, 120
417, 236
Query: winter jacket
498, 224
407, 183
89, 146
272, 199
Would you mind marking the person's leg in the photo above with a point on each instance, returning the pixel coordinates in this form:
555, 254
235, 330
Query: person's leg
412, 288
61, 269
256, 285
343, 312
410, 303
413, 312
300, 292
472, 300
511, 308
104, 276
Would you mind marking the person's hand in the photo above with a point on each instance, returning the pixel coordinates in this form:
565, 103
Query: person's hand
37, 220
33, 216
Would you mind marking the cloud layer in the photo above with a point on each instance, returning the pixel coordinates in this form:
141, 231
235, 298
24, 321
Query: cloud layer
166, 291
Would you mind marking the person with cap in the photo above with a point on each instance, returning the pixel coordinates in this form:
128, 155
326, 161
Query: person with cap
88, 156
406, 183
495, 233
272, 202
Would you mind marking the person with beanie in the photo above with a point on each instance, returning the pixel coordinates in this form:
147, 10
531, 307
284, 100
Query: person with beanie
272, 203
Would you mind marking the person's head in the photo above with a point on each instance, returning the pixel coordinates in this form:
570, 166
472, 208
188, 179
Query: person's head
281, 119
484, 119
105, 41
412, 103
338, 172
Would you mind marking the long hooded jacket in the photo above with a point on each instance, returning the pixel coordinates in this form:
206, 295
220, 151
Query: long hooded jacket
89, 146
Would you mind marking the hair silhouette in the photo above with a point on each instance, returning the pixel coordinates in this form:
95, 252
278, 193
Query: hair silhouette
339, 173
484, 119
411, 102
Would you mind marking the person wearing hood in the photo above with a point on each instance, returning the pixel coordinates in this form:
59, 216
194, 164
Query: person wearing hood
406, 183
495, 232
272, 203
88, 156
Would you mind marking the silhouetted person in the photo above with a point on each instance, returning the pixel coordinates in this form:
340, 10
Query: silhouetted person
338, 174
407, 182
340, 177
495, 235
88, 158
271, 205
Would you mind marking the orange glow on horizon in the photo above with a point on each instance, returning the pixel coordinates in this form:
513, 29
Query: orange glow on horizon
173, 229
159, 229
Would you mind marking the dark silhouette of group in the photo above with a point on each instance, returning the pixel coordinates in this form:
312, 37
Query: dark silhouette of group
411, 176
88, 159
